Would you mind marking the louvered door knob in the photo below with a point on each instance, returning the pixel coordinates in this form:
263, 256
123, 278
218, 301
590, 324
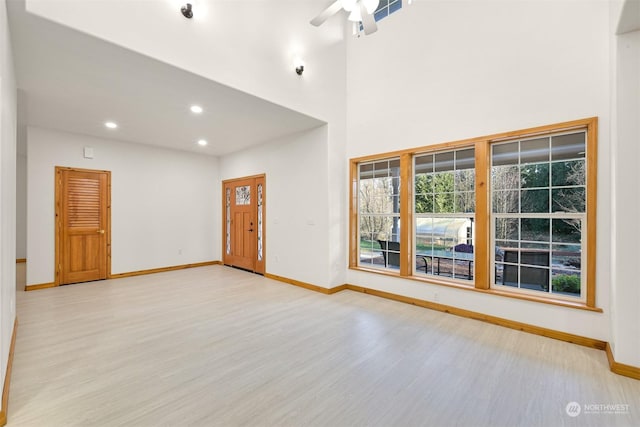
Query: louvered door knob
101, 231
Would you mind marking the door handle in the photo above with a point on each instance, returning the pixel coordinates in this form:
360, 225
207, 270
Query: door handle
251, 229
101, 231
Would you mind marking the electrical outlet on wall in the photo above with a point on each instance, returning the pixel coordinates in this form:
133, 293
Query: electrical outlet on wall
436, 297
180, 251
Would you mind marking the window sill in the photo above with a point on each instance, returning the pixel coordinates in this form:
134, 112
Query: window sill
458, 285
553, 301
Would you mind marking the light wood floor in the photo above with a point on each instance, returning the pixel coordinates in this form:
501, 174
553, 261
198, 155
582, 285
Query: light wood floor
215, 346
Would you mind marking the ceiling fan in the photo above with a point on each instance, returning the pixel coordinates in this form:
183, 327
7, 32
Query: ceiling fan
358, 10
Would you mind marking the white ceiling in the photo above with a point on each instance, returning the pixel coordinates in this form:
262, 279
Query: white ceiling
629, 17
74, 82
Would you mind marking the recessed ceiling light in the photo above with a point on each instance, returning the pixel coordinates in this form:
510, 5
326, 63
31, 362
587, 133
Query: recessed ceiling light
196, 109
202, 142
111, 125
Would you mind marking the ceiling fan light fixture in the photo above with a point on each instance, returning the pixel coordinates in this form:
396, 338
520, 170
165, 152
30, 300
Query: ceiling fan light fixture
371, 5
358, 11
354, 10
355, 16
349, 5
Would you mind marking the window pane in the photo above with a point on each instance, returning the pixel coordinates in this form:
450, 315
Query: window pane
444, 247
569, 200
395, 185
465, 159
380, 14
243, 195
395, 204
369, 250
535, 256
443, 182
444, 203
570, 146
507, 229
424, 203
535, 279
534, 150
505, 177
390, 251
535, 201
424, 234
535, 229
534, 175
424, 164
379, 187
424, 183
465, 180
506, 201
566, 231
366, 171
511, 254
465, 202
380, 200
566, 282
535, 245
381, 169
509, 276
505, 154
568, 173
567, 257
444, 161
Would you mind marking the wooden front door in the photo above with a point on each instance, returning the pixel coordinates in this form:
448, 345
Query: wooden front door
82, 225
244, 209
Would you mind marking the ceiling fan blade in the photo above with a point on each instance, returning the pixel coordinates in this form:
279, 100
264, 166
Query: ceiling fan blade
368, 20
327, 13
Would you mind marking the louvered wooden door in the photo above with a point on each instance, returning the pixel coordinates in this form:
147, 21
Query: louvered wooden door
83, 225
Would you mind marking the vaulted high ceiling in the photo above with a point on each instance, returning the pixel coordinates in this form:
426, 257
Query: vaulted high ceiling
74, 82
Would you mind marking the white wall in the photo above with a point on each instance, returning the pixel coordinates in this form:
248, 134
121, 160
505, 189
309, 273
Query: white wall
8, 114
21, 206
297, 244
625, 325
162, 201
439, 71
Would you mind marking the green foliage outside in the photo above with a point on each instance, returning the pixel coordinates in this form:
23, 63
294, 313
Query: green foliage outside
566, 283
445, 192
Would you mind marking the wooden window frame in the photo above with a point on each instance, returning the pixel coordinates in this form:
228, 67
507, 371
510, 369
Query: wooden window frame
483, 259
